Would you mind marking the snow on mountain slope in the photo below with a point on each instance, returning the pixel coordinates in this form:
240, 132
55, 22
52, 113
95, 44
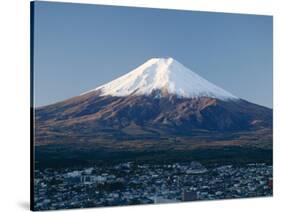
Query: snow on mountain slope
167, 75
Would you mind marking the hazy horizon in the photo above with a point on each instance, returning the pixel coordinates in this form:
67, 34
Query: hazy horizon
79, 47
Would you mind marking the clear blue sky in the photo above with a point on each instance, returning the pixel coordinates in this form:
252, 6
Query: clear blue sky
81, 46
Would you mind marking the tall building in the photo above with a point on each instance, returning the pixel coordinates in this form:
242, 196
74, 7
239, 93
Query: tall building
189, 196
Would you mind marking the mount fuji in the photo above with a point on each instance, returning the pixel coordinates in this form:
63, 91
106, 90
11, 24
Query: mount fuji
160, 105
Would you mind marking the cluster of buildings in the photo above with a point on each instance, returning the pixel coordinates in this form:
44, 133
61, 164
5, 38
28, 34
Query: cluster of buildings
132, 183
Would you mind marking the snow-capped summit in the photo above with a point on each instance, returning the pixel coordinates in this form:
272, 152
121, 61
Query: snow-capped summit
165, 74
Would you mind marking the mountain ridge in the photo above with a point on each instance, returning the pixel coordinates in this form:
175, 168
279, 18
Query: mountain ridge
146, 119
